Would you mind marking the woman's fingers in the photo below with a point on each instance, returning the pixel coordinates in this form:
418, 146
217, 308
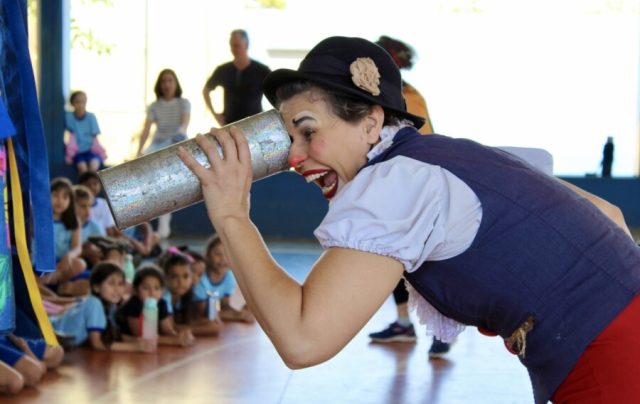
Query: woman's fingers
235, 149
244, 155
208, 145
228, 144
191, 163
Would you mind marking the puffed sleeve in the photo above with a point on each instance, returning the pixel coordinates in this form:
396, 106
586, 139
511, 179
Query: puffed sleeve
394, 208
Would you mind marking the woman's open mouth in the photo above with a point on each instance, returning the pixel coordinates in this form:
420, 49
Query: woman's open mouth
327, 180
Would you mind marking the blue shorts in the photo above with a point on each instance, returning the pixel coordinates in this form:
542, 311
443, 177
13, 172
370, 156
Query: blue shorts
86, 274
10, 354
86, 157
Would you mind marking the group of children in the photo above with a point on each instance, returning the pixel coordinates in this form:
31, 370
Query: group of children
95, 296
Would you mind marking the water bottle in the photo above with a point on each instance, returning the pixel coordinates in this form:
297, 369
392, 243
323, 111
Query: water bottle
150, 318
213, 305
129, 268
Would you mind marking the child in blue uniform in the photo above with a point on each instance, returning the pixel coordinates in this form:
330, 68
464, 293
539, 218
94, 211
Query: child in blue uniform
219, 280
92, 320
149, 283
179, 274
83, 148
67, 234
29, 358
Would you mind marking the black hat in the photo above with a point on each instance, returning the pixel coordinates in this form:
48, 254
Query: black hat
353, 66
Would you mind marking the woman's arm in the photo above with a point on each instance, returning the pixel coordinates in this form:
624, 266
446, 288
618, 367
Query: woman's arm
307, 323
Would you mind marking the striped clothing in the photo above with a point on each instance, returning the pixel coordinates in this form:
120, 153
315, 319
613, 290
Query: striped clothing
167, 116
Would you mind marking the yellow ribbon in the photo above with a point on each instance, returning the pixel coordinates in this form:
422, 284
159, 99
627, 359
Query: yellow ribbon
23, 252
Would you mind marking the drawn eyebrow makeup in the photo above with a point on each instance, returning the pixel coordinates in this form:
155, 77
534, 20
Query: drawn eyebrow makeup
301, 117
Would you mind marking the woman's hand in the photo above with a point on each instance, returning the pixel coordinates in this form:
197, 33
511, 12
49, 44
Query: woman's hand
226, 184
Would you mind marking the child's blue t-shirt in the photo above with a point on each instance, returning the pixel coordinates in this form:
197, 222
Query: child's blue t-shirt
80, 320
85, 129
62, 238
166, 296
225, 288
91, 228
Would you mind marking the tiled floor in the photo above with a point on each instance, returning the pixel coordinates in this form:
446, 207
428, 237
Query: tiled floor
241, 366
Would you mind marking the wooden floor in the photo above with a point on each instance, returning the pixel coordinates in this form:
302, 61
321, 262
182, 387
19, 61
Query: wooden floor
241, 366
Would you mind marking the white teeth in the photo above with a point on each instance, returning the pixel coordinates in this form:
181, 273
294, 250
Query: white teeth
313, 177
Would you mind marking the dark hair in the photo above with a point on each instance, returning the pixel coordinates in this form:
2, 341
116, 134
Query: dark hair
68, 217
170, 254
158, 87
75, 94
212, 242
242, 33
187, 310
146, 271
106, 244
192, 253
349, 109
88, 175
400, 52
81, 192
175, 259
99, 274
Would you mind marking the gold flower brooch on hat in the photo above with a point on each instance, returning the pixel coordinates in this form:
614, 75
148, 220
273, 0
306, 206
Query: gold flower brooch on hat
365, 75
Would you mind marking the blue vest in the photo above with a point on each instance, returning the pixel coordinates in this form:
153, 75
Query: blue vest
541, 253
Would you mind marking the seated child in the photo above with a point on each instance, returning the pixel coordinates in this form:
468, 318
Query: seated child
30, 358
219, 279
100, 212
84, 201
92, 320
66, 229
149, 282
198, 265
11, 381
83, 148
178, 272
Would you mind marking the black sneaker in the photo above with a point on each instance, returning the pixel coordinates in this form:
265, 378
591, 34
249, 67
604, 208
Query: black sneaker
395, 333
438, 348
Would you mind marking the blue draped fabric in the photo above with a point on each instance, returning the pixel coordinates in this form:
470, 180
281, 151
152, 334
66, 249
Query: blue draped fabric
20, 120
18, 88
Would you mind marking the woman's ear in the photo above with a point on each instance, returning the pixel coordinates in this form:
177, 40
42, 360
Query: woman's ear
373, 124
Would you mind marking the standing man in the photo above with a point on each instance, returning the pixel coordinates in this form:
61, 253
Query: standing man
607, 157
241, 80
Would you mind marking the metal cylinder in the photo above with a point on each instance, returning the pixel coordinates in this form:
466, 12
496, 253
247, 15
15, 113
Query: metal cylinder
159, 183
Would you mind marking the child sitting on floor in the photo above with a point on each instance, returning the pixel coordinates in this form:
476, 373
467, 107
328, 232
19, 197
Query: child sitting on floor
178, 271
92, 319
66, 229
30, 359
219, 279
149, 283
